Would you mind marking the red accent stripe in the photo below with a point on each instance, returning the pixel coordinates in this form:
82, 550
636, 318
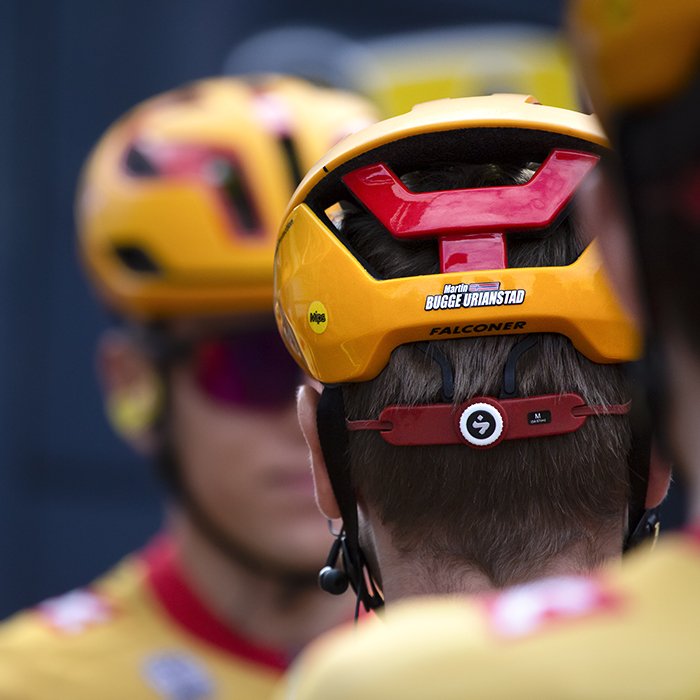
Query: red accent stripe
534, 205
182, 604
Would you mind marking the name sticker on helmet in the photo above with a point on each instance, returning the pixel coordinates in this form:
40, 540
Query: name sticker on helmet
464, 296
318, 317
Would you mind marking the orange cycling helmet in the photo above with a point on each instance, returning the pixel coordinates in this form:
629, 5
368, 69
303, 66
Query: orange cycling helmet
180, 200
341, 322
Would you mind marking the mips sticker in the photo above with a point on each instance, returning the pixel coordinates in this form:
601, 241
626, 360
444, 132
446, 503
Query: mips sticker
317, 315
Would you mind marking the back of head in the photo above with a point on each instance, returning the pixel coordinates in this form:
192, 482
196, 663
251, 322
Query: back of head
508, 511
456, 238
180, 200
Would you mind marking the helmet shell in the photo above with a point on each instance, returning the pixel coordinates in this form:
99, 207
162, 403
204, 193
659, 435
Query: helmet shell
341, 322
635, 52
179, 202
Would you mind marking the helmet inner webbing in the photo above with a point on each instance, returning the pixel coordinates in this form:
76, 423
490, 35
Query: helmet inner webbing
448, 386
509, 388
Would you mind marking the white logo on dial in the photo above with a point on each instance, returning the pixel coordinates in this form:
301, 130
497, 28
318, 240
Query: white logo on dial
481, 424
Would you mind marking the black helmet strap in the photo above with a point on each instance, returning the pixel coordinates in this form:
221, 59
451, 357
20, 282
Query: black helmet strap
333, 436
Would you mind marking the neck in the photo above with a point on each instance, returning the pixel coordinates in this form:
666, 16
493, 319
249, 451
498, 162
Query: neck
406, 576
266, 610
683, 428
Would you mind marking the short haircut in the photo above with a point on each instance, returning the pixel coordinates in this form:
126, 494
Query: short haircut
509, 510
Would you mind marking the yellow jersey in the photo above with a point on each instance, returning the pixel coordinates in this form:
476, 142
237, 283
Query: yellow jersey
629, 632
138, 633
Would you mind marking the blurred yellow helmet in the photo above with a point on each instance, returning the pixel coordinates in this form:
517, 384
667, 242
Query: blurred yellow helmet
635, 52
341, 320
179, 202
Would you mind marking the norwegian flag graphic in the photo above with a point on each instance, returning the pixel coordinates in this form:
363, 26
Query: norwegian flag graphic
485, 287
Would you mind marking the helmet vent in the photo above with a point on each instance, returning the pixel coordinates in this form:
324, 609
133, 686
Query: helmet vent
229, 178
137, 259
292, 159
138, 164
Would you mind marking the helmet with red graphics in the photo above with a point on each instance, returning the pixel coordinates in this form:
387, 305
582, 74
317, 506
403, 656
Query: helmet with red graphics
180, 200
341, 321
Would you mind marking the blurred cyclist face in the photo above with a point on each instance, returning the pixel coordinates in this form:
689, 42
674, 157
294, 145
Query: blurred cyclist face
235, 434
237, 440
230, 429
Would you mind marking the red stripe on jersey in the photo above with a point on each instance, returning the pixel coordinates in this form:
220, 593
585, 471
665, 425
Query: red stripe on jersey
190, 612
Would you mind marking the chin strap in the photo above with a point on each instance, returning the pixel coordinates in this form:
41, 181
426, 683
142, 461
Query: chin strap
330, 420
643, 522
647, 528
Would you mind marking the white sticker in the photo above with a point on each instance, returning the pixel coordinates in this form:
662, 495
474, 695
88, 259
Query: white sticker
525, 609
178, 676
481, 424
73, 612
465, 296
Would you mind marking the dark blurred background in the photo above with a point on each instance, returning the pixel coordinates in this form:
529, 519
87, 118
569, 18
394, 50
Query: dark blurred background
73, 498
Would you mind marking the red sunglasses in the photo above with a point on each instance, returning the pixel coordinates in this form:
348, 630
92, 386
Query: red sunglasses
253, 370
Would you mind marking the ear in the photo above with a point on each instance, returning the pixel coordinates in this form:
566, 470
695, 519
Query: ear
659, 479
307, 403
602, 217
131, 387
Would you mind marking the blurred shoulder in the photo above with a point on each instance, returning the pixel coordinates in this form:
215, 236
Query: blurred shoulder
77, 635
626, 632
